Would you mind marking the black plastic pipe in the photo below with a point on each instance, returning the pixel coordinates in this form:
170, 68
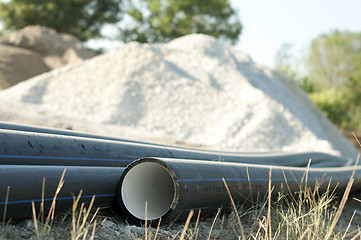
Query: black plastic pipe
276, 158
25, 148
172, 187
151, 179
37, 129
26, 185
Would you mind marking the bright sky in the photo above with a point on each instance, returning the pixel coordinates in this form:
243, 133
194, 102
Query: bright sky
269, 23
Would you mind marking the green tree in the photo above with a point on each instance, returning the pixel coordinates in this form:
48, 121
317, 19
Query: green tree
352, 96
331, 58
354, 84
163, 20
82, 18
334, 63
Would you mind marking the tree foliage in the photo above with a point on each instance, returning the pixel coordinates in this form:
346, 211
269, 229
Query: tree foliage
163, 20
335, 63
331, 58
333, 75
353, 86
82, 18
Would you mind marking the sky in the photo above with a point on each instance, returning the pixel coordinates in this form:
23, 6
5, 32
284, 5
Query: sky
267, 24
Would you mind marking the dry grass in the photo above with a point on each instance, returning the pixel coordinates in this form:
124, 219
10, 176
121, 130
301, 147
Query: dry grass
80, 222
43, 222
308, 214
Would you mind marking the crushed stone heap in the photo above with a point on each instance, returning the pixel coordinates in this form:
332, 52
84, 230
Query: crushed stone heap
192, 90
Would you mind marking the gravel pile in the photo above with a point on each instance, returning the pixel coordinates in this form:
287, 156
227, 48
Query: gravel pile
193, 90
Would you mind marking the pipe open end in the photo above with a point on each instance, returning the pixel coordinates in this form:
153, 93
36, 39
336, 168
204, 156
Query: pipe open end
148, 183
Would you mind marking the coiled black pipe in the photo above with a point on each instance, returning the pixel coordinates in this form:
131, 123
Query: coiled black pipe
172, 187
22, 184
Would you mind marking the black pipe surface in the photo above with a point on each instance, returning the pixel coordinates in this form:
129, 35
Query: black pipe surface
37, 129
26, 185
276, 158
172, 187
26, 148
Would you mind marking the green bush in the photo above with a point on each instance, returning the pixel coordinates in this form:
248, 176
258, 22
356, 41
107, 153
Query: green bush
331, 104
339, 107
307, 85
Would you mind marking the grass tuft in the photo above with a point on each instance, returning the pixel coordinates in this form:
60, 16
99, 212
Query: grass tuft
308, 214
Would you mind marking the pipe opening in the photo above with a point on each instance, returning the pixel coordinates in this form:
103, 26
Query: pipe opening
148, 182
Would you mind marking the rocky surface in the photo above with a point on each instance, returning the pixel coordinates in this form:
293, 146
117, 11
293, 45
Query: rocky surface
18, 64
34, 50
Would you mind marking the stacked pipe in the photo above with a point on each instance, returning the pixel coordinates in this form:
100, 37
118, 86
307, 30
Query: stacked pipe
171, 180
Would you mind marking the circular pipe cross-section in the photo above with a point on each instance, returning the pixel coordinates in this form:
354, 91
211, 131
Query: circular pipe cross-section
148, 183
